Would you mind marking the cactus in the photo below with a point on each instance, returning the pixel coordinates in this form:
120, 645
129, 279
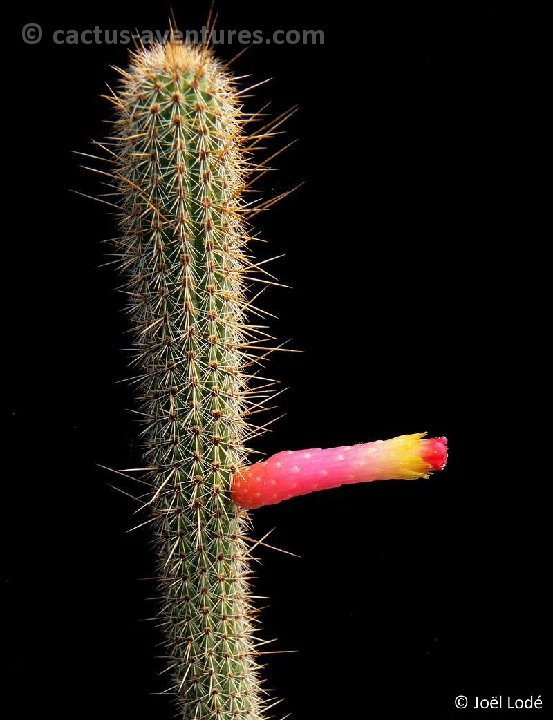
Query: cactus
180, 167
181, 163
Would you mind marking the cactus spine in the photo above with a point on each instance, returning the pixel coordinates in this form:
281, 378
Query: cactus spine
180, 166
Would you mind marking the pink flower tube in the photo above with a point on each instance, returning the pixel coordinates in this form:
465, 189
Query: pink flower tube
297, 472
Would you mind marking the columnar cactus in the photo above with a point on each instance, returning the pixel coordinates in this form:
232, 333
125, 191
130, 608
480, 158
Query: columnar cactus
180, 165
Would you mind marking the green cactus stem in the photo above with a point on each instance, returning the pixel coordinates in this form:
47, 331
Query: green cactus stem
181, 167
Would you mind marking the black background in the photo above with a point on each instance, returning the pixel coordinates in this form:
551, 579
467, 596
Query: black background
417, 300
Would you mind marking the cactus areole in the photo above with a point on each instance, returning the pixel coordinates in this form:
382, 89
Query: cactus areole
180, 162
